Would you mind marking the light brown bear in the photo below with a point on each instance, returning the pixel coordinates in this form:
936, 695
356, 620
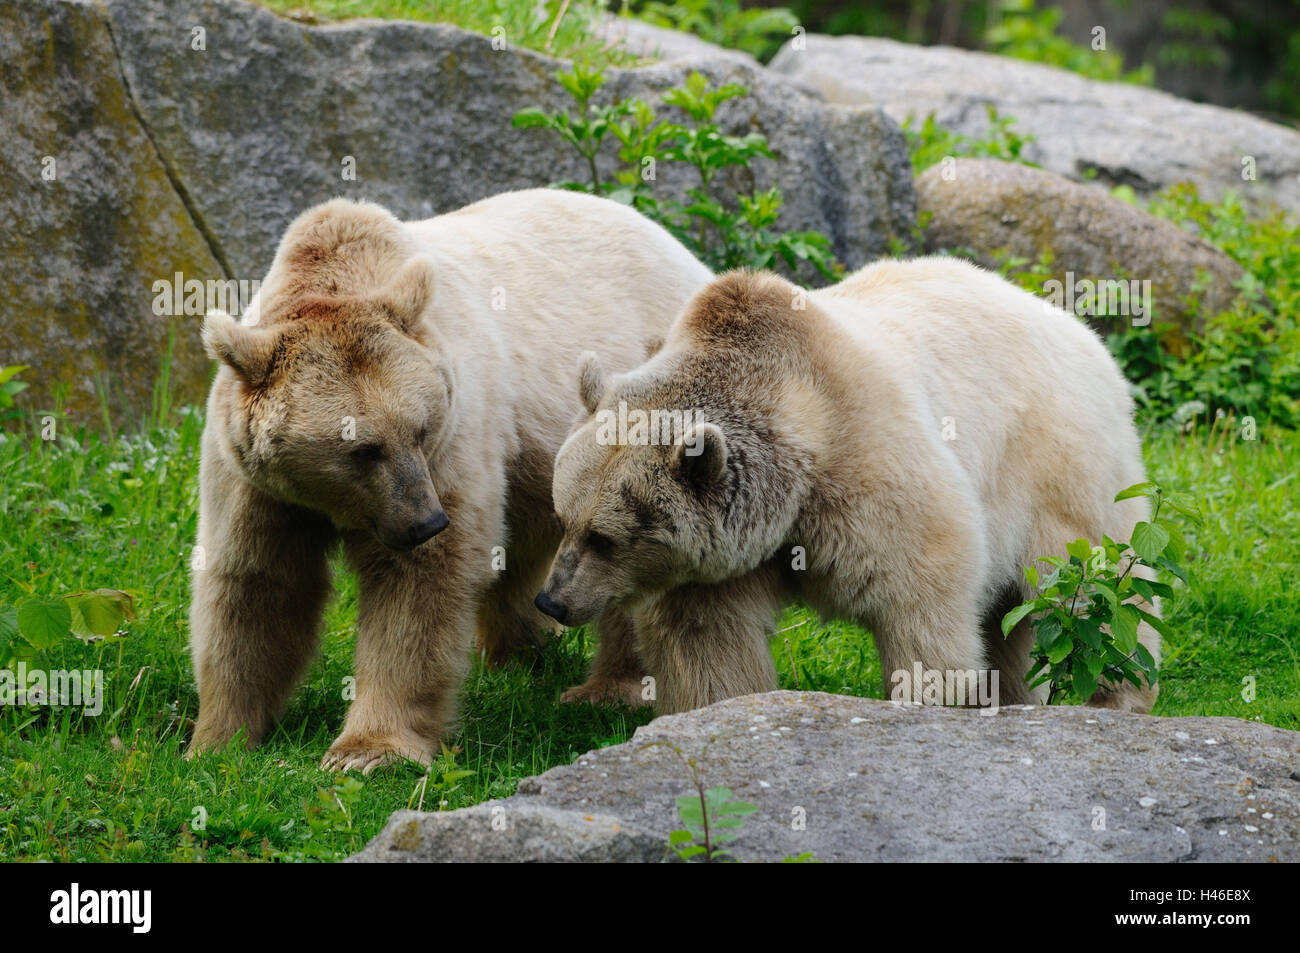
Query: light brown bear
396, 388
890, 451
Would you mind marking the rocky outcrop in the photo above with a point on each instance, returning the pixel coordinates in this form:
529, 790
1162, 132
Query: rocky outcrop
854, 779
195, 130
997, 209
90, 218
1110, 133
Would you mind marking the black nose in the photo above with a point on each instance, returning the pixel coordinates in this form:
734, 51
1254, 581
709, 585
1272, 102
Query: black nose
551, 607
431, 527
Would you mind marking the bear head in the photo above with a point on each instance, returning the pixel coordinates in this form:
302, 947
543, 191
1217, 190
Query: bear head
684, 471
334, 392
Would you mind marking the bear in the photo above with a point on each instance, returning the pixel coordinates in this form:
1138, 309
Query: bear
890, 451
394, 390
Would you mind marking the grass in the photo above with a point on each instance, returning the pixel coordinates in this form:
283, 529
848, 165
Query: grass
87, 511
553, 27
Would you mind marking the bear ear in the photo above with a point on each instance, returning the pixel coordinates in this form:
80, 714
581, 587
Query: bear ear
702, 456
591, 380
244, 350
409, 294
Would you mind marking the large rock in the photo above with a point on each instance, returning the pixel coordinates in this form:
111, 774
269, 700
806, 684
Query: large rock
188, 133
1116, 132
988, 207
260, 125
82, 248
854, 779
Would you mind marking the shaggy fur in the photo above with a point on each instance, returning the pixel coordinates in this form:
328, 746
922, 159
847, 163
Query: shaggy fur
824, 435
441, 343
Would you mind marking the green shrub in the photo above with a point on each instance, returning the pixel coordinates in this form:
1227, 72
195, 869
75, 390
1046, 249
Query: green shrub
558, 27
1026, 32
722, 230
759, 31
931, 143
1095, 587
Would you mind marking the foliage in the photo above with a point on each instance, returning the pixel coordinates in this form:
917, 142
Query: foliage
711, 817
558, 27
10, 387
1246, 360
723, 230
932, 143
1026, 32
758, 31
1089, 607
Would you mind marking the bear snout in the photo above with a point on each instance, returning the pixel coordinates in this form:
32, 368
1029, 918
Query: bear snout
552, 608
424, 530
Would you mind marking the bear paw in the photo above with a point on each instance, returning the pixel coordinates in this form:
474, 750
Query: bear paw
607, 692
367, 753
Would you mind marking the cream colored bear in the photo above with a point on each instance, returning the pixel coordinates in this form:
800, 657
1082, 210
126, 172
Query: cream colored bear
400, 389
891, 451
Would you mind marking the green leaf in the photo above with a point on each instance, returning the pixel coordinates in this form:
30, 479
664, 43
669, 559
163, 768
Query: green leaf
680, 837
44, 621
101, 611
8, 628
1080, 549
1123, 627
1061, 648
1137, 489
1083, 682
1149, 540
1015, 615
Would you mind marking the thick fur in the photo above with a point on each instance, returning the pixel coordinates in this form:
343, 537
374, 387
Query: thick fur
445, 343
824, 440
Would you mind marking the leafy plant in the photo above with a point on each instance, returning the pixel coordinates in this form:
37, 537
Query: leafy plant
1089, 607
1244, 361
930, 143
44, 621
711, 817
10, 387
758, 31
558, 27
1026, 32
724, 231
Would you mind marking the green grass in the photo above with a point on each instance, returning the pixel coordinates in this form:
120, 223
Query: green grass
526, 23
85, 512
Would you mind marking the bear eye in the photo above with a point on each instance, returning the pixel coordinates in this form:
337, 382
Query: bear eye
423, 435
599, 543
368, 453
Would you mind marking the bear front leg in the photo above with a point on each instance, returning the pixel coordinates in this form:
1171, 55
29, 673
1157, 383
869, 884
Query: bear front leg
704, 643
616, 671
415, 630
939, 631
260, 583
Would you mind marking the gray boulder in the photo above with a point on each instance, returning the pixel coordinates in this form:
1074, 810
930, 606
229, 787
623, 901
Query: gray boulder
259, 126
986, 206
189, 133
855, 779
1117, 133
83, 246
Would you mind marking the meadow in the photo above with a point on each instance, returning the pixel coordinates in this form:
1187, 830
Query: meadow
92, 510
91, 506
